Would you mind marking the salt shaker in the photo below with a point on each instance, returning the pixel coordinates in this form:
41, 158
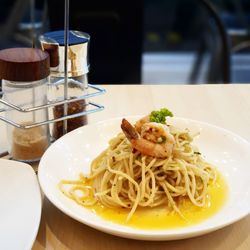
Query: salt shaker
24, 73
78, 68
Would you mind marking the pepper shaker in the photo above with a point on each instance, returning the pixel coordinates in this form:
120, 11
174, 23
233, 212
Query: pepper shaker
78, 67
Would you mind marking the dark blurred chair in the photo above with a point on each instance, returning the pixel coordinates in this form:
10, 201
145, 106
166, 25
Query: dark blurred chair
232, 27
215, 38
193, 31
21, 22
116, 29
11, 14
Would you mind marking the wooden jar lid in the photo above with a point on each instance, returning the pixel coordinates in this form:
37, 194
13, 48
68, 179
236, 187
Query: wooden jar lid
24, 64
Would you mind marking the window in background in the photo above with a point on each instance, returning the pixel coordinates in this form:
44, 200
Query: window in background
182, 43
144, 41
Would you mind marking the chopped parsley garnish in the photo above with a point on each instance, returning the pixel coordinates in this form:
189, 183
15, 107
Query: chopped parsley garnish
160, 116
197, 153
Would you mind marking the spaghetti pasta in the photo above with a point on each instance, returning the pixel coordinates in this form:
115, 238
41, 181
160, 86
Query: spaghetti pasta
122, 176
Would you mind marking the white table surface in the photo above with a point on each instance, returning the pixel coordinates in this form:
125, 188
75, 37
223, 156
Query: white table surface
227, 106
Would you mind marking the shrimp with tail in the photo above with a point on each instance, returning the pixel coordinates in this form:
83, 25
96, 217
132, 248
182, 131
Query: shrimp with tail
154, 139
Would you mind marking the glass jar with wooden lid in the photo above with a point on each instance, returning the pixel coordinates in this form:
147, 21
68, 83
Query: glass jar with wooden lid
25, 75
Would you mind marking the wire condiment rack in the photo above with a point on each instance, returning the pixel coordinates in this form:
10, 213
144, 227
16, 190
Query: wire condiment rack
91, 107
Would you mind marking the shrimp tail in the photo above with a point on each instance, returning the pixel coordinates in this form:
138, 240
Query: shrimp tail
129, 130
147, 146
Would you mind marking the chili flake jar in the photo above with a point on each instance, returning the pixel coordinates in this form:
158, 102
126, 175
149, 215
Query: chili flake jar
78, 67
24, 73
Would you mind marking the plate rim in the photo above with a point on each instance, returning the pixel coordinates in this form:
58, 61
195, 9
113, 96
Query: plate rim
26, 167
141, 234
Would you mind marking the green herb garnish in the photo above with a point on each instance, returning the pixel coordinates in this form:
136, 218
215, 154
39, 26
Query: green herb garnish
197, 153
160, 116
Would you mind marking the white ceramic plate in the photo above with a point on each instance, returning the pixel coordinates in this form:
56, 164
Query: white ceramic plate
73, 153
20, 205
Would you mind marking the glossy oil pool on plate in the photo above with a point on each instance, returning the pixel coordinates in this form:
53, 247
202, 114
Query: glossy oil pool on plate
73, 153
162, 218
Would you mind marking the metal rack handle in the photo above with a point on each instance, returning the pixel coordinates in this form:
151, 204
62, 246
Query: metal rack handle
97, 108
99, 91
94, 108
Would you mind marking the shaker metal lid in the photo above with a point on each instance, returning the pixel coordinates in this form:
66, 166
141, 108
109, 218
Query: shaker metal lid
24, 64
53, 43
75, 37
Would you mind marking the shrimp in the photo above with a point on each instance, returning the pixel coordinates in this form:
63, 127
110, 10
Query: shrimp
148, 144
156, 132
141, 122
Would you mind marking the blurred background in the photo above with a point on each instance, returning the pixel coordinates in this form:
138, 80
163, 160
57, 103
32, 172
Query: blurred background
144, 41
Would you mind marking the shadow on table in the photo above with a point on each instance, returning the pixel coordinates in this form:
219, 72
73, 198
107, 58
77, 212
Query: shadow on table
58, 231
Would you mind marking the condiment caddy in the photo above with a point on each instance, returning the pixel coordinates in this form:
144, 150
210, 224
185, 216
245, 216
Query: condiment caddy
25, 83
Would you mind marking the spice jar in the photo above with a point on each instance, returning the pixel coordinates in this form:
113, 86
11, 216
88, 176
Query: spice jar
78, 67
24, 73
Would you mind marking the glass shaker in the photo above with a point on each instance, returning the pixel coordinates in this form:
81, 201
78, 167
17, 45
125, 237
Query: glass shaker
78, 68
24, 73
